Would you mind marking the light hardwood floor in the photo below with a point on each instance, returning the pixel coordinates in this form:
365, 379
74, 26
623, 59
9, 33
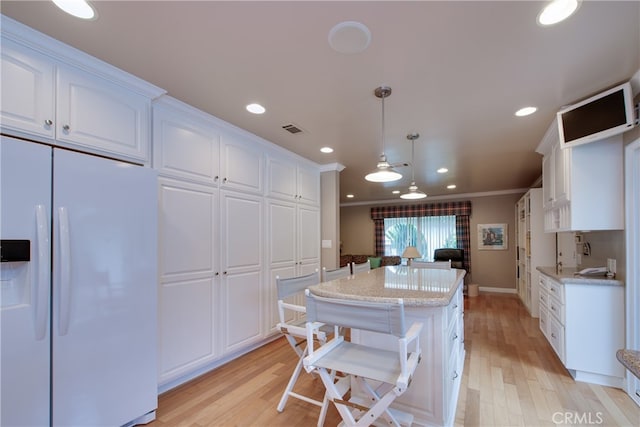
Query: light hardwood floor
511, 378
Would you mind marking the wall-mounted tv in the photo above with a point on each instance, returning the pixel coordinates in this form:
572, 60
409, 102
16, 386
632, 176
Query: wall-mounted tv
600, 116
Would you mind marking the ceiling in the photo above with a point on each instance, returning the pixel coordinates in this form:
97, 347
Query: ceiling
458, 72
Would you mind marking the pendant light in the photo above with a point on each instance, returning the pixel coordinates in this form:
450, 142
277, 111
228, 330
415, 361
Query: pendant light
413, 193
384, 172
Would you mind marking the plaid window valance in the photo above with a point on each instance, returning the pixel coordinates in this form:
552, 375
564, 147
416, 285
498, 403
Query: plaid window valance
430, 209
462, 211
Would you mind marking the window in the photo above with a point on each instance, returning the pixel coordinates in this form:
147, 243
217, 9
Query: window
426, 233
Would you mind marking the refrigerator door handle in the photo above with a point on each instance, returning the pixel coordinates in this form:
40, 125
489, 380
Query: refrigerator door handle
42, 284
65, 272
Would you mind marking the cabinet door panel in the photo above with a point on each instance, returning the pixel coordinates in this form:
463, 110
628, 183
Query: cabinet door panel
184, 148
241, 232
282, 233
308, 186
282, 179
97, 114
308, 234
187, 326
187, 218
243, 308
27, 91
242, 165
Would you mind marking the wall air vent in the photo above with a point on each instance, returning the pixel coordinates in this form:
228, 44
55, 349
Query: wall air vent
292, 128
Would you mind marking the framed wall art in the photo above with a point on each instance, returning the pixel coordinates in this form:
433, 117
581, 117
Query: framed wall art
492, 237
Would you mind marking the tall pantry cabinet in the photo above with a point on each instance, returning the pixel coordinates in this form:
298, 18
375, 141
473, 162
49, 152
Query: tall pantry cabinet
223, 226
535, 248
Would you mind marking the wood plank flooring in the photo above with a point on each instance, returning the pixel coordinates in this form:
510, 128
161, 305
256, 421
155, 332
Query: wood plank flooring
511, 377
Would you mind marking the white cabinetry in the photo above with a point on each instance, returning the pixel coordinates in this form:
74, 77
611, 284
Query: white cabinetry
582, 186
535, 248
290, 180
222, 240
186, 144
241, 238
105, 111
188, 293
293, 236
584, 323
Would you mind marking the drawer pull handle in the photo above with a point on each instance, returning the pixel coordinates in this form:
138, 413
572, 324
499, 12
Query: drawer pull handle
66, 128
48, 122
455, 375
455, 337
553, 335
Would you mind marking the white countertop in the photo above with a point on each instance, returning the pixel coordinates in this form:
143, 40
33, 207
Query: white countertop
569, 275
416, 286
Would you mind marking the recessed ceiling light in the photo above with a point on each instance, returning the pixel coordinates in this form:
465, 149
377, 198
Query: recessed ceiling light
350, 196
526, 111
255, 108
557, 11
451, 187
78, 8
395, 192
443, 170
349, 37
326, 150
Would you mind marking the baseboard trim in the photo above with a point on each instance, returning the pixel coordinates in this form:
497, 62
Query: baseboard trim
498, 290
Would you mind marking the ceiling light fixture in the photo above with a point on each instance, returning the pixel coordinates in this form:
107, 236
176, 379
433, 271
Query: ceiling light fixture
443, 170
255, 108
413, 193
451, 187
557, 11
78, 8
384, 172
525, 111
350, 196
326, 150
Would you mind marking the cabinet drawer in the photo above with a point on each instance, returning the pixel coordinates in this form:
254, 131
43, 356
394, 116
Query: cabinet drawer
556, 290
556, 309
453, 309
544, 298
556, 337
544, 321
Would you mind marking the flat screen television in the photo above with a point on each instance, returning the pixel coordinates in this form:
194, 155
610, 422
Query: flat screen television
600, 116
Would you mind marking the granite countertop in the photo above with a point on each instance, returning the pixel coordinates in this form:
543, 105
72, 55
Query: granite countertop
416, 286
569, 275
630, 359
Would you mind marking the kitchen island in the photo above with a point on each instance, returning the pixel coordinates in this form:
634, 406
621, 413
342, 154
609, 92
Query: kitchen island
433, 297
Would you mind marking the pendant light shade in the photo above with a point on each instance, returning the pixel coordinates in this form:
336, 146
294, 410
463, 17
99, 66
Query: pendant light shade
413, 193
384, 171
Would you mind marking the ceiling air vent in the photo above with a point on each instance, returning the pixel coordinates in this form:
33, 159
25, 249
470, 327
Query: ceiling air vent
292, 128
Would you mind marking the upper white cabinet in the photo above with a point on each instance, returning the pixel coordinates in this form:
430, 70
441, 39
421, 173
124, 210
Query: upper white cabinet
58, 94
290, 180
95, 114
186, 144
27, 80
242, 164
582, 185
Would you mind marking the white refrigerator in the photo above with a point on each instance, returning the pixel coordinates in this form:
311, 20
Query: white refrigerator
78, 304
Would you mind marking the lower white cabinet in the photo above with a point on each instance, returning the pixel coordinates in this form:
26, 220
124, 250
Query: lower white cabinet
188, 294
584, 323
241, 288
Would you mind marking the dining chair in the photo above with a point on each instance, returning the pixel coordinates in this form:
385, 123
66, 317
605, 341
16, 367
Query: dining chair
381, 375
357, 268
293, 324
337, 273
